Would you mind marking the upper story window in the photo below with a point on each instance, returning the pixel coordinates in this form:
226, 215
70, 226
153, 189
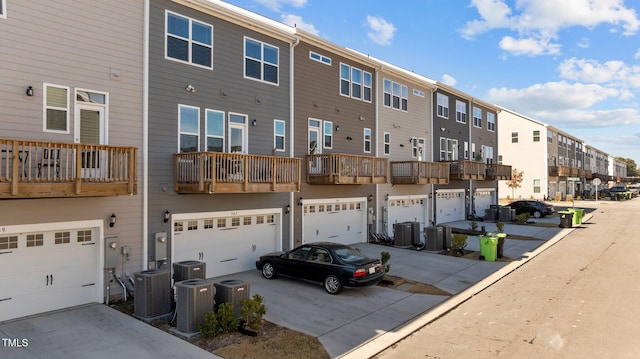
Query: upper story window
491, 121
418, 93
514, 137
355, 83
443, 105
189, 40
367, 140
278, 135
320, 58
215, 130
328, 134
549, 136
387, 143
448, 149
395, 95
189, 128
261, 61
477, 117
56, 100
461, 111
536, 136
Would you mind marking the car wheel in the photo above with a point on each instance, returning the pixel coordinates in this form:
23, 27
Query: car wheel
537, 214
332, 284
269, 271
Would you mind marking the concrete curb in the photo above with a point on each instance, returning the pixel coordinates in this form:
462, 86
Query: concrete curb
387, 339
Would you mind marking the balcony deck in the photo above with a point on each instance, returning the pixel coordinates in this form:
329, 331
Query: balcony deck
36, 169
497, 172
339, 168
467, 170
419, 172
214, 172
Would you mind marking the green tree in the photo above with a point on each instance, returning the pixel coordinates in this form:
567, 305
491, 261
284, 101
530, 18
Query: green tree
632, 168
515, 181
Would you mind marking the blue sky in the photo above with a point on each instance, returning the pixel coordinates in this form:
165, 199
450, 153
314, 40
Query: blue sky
574, 64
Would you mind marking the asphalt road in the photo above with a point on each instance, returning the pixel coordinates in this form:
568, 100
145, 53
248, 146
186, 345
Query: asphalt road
578, 299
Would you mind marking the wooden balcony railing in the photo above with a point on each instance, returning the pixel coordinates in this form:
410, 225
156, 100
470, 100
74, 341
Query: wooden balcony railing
215, 172
467, 170
419, 172
34, 169
338, 168
498, 172
588, 174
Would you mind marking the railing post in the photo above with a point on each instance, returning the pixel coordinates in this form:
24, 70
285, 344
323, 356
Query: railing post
15, 178
200, 172
245, 174
132, 170
78, 174
274, 173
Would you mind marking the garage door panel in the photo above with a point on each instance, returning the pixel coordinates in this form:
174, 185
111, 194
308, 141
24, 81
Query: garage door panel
406, 210
449, 206
342, 222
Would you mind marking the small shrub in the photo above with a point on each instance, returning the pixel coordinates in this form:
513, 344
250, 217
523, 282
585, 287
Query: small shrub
500, 226
227, 320
473, 225
522, 218
458, 242
210, 327
252, 311
569, 198
384, 258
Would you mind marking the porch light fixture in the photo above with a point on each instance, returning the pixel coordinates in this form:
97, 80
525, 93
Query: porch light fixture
166, 216
190, 88
386, 197
254, 122
300, 201
370, 198
287, 209
29, 91
112, 220
337, 128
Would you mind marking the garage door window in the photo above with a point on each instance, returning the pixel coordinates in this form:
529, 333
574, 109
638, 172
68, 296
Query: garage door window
84, 236
247, 221
222, 222
62, 237
235, 222
178, 227
208, 223
35, 240
271, 218
321, 208
9, 242
259, 219
192, 226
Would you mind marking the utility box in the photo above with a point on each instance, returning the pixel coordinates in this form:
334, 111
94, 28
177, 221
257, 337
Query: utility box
159, 247
186, 270
152, 290
402, 234
195, 298
111, 252
434, 238
232, 291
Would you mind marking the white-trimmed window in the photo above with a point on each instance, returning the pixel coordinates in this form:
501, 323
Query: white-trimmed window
215, 125
514, 137
189, 128
395, 95
355, 83
477, 117
414, 147
261, 61
367, 140
387, 143
536, 136
418, 93
466, 150
56, 103
328, 134
320, 58
461, 112
279, 135
491, 121
487, 154
189, 40
536, 185
473, 150
448, 149
443, 105
3, 9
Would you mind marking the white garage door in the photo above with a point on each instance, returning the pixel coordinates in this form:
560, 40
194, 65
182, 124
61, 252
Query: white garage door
449, 206
407, 209
338, 220
228, 242
484, 197
49, 267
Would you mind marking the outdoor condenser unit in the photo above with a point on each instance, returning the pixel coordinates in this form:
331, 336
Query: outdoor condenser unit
434, 238
188, 270
232, 291
152, 293
402, 234
194, 301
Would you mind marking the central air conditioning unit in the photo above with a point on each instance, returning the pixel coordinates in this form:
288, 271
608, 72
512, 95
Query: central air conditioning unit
402, 234
446, 233
152, 290
189, 270
232, 291
434, 238
415, 233
194, 300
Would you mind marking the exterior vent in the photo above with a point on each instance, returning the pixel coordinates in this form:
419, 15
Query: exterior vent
195, 300
152, 293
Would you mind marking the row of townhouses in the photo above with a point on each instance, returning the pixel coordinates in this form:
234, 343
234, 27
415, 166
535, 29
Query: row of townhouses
136, 134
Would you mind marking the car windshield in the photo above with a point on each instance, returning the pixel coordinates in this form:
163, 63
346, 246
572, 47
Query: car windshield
349, 254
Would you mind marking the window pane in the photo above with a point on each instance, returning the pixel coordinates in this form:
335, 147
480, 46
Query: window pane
201, 55
344, 87
236, 118
188, 143
201, 33
56, 120
56, 96
344, 72
215, 144
188, 120
367, 94
356, 90
252, 69
279, 128
252, 49
270, 73
387, 99
177, 49
279, 142
177, 25
215, 123
367, 79
271, 54
356, 75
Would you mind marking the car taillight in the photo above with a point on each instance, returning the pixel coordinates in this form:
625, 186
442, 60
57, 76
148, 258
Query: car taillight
360, 272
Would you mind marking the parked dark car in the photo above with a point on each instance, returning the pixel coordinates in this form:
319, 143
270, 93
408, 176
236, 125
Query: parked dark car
535, 208
332, 264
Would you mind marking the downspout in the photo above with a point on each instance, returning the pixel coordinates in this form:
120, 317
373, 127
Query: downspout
378, 217
472, 204
292, 205
145, 140
433, 139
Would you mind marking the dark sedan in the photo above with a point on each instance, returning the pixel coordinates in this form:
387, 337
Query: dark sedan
535, 208
332, 264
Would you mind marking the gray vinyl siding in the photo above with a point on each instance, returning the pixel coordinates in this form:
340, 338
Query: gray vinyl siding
167, 82
75, 44
452, 128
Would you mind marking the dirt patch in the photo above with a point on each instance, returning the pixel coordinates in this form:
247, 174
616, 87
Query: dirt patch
410, 286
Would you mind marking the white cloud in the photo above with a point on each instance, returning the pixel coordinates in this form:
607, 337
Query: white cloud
543, 19
449, 80
297, 21
584, 43
380, 31
637, 55
611, 72
275, 5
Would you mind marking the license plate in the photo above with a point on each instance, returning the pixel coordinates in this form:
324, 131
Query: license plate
372, 270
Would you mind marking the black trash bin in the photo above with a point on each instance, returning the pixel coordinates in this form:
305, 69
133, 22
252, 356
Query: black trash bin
566, 219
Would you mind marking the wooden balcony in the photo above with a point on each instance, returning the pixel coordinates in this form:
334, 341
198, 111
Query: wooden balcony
33, 169
467, 170
588, 174
559, 171
419, 172
339, 168
215, 172
496, 172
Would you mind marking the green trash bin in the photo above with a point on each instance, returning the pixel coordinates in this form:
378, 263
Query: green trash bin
488, 248
566, 219
577, 216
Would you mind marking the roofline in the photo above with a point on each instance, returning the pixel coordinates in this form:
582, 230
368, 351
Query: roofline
523, 116
400, 72
332, 47
466, 96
